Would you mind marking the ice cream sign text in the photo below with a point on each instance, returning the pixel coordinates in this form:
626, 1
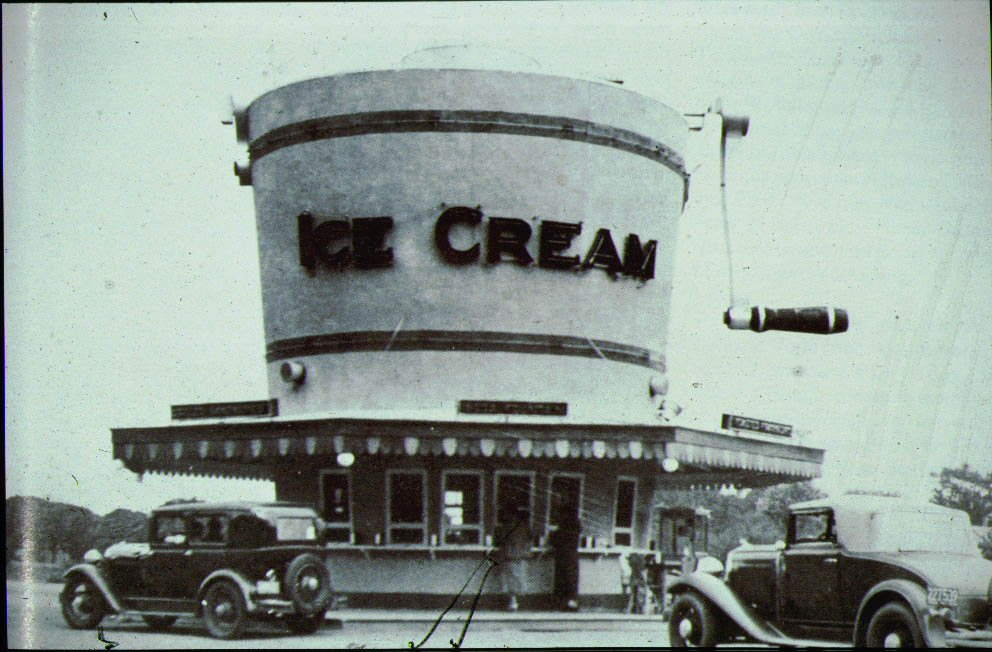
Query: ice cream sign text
360, 243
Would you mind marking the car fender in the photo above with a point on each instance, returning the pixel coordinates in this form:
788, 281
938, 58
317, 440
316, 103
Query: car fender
931, 624
727, 601
239, 580
93, 574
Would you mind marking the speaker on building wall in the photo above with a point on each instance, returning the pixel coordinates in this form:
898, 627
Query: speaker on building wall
293, 372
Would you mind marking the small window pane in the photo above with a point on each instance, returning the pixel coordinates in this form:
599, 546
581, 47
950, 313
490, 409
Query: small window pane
401, 535
625, 504
454, 516
295, 529
207, 529
336, 498
338, 535
463, 536
462, 512
565, 493
462, 491
406, 498
512, 493
812, 527
168, 526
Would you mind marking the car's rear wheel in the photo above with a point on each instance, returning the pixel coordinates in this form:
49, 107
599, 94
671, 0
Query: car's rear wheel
160, 623
82, 603
304, 624
308, 583
894, 626
224, 610
693, 623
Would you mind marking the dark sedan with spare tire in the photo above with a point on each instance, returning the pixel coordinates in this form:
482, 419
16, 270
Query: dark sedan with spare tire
229, 563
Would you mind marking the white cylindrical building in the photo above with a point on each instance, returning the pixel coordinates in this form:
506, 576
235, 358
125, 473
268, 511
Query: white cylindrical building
515, 223
466, 284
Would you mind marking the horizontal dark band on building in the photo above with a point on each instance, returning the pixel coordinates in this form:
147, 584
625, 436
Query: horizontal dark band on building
479, 341
488, 122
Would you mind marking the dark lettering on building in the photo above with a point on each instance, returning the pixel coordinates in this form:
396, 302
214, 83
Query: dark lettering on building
513, 407
449, 218
555, 238
269, 408
325, 242
361, 243
509, 236
734, 422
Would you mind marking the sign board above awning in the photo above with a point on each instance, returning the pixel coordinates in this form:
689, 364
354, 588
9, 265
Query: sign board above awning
266, 408
735, 422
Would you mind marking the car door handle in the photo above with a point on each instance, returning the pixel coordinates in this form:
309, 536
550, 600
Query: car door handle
830, 560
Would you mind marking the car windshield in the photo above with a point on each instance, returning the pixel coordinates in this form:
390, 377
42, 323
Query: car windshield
291, 528
904, 530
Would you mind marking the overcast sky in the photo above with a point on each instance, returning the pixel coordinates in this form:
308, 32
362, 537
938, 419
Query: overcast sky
130, 258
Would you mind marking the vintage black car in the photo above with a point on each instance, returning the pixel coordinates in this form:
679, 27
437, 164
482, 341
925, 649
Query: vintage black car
871, 571
227, 562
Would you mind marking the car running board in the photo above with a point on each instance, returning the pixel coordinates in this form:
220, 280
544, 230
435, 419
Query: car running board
160, 606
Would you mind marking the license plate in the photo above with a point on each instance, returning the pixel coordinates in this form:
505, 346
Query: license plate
948, 597
267, 586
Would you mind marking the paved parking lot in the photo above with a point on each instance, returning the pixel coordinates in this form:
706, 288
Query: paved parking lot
34, 621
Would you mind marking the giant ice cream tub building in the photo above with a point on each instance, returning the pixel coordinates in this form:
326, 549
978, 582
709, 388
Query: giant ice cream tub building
466, 282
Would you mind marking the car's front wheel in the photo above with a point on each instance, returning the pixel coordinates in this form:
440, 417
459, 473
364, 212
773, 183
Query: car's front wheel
304, 624
308, 583
224, 610
82, 603
894, 625
693, 623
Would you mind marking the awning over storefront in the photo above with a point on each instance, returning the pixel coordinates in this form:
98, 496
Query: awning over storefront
253, 449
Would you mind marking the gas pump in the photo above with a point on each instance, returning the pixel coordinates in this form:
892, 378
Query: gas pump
683, 537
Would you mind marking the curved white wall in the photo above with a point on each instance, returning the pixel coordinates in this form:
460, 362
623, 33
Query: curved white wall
422, 332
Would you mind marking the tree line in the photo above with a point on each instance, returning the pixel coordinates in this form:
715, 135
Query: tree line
40, 530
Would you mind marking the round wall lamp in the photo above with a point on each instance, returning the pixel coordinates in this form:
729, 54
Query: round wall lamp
670, 465
657, 386
346, 459
293, 372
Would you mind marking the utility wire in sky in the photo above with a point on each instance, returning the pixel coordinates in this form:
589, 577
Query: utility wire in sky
900, 421
897, 103
844, 142
809, 129
955, 293
901, 332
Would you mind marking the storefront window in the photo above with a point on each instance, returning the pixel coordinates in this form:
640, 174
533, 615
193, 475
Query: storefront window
336, 506
407, 521
513, 492
461, 520
564, 493
623, 523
